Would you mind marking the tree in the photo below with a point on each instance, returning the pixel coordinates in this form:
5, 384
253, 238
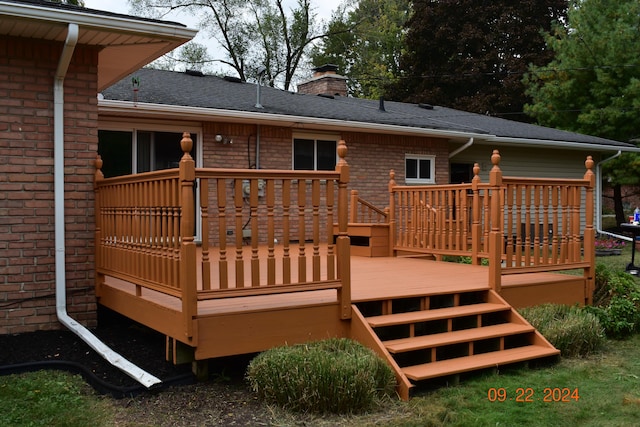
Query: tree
592, 85
365, 41
191, 56
254, 35
471, 55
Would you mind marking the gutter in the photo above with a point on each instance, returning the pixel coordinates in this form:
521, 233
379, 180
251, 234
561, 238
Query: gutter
599, 198
112, 357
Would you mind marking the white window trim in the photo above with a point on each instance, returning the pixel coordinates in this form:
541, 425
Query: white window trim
432, 161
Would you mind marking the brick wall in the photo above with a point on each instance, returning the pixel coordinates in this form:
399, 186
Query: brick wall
371, 156
27, 263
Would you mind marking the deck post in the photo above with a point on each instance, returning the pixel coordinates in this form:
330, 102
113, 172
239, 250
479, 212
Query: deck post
495, 235
476, 227
391, 218
188, 275
589, 232
98, 177
343, 243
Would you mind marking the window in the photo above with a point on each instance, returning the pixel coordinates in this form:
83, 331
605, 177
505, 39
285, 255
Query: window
125, 152
419, 169
314, 154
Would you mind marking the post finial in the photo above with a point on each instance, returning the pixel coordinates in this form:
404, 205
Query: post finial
98, 162
186, 143
589, 163
476, 172
495, 158
392, 179
342, 152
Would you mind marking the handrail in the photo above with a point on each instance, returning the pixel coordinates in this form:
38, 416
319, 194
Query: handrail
364, 212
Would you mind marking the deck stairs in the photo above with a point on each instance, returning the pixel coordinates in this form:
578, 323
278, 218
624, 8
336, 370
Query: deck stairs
445, 335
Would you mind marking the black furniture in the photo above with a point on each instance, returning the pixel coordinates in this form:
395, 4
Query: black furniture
635, 230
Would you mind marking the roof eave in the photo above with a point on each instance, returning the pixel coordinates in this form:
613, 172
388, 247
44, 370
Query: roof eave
119, 56
297, 122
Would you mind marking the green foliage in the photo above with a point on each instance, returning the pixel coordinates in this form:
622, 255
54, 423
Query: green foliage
330, 376
572, 330
48, 398
616, 302
365, 42
254, 34
474, 63
592, 85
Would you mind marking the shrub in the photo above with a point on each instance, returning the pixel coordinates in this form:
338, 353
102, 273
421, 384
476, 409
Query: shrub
572, 330
334, 375
616, 302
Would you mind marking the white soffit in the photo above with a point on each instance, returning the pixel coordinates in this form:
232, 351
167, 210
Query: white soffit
127, 43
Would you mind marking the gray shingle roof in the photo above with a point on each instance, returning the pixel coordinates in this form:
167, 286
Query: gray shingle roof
182, 89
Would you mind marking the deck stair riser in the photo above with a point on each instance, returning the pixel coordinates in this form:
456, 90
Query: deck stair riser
440, 335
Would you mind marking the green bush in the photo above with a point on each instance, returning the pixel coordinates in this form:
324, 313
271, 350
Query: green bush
572, 330
616, 302
330, 376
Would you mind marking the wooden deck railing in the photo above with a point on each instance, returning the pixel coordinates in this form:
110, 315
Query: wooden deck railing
364, 212
262, 231
520, 225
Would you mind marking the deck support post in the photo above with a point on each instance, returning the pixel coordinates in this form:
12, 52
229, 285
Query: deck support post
391, 218
188, 264
476, 227
343, 242
589, 232
495, 235
99, 176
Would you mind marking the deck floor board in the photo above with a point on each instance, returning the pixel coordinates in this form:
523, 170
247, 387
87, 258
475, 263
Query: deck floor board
371, 279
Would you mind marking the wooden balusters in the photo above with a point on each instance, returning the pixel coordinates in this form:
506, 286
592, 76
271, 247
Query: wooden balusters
223, 264
271, 261
286, 227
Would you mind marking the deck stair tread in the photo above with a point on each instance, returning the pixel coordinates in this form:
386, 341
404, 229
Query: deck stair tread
456, 337
435, 314
478, 361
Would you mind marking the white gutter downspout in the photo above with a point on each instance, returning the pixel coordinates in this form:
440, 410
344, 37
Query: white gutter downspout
114, 358
461, 149
599, 199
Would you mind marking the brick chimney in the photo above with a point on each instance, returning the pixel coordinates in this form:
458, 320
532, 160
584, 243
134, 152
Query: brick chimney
325, 81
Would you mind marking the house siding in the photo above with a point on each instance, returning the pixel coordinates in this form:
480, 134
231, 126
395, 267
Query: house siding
27, 264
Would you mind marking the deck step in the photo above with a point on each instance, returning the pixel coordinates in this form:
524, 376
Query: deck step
479, 361
435, 314
456, 337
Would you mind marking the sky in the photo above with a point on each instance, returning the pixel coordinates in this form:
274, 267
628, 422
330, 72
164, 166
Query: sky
323, 8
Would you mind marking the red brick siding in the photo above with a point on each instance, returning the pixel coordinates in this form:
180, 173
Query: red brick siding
27, 264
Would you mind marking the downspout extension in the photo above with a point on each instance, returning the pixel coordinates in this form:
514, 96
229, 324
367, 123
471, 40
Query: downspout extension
112, 357
468, 144
599, 199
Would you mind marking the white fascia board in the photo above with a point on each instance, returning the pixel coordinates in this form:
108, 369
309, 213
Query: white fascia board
110, 23
126, 108
537, 143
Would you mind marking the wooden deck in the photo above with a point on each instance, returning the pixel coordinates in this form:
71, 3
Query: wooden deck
250, 284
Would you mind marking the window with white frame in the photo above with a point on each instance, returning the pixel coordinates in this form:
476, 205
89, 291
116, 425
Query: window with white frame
314, 154
419, 169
